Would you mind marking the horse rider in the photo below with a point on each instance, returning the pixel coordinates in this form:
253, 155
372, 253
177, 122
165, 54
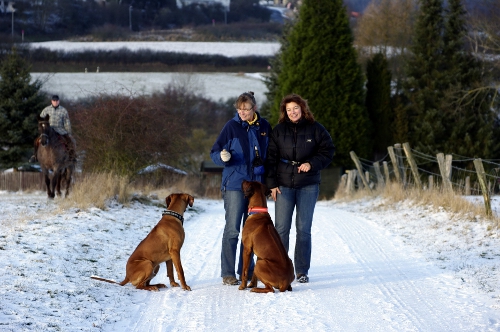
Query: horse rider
59, 120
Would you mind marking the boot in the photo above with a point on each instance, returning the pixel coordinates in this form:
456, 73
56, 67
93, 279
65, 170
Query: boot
33, 158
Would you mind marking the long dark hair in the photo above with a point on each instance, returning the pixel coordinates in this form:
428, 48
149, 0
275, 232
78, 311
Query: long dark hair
304, 107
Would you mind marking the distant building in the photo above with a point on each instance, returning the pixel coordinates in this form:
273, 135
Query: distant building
182, 3
7, 6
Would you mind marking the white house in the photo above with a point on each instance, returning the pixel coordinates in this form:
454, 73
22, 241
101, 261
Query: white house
182, 3
7, 6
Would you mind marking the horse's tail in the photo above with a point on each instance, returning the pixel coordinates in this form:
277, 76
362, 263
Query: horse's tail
106, 280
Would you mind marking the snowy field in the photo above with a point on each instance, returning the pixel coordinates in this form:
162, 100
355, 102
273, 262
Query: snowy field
229, 49
374, 268
214, 86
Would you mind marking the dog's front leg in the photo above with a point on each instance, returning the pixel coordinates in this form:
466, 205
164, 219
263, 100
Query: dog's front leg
170, 273
247, 255
176, 259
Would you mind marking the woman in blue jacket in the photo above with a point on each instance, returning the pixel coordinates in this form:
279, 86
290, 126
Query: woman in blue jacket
299, 148
241, 148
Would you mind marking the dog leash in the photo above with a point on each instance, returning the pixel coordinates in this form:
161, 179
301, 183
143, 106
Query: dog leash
173, 214
254, 210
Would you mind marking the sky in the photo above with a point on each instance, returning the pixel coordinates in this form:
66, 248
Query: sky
375, 267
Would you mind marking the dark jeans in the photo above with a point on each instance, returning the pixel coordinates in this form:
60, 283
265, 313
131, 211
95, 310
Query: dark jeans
236, 206
304, 200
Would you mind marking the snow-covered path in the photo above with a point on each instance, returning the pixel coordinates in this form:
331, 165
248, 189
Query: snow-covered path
363, 278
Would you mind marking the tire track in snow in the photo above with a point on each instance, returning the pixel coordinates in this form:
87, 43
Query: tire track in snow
407, 283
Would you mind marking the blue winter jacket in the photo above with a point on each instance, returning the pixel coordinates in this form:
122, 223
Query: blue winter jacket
240, 139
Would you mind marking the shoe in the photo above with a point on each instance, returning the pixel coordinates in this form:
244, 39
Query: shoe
302, 278
33, 159
230, 281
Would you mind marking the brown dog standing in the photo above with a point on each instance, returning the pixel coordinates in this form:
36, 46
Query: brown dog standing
163, 244
273, 267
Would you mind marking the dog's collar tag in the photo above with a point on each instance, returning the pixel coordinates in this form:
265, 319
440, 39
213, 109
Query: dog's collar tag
254, 210
174, 214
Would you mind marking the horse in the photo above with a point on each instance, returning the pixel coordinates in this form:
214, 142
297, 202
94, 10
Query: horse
53, 156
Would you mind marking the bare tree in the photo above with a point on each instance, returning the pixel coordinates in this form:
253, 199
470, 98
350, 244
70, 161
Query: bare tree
386, 27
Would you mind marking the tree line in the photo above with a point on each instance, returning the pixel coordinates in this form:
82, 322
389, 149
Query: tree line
78, 17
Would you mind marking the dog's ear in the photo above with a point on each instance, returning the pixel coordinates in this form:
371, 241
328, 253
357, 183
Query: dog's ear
247, 188
168, 200
190, 200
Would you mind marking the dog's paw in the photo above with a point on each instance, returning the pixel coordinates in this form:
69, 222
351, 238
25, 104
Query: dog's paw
187, 288
242, 287
174, 284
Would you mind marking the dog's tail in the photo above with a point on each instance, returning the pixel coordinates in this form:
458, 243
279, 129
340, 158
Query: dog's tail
106, 280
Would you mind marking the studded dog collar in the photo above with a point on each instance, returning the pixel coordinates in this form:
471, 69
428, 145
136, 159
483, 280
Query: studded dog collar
173, 214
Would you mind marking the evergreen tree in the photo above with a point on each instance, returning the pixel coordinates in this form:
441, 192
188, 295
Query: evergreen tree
320, 64
20, 103
444, 115
425, 83
378, 103
469, 119
273, 93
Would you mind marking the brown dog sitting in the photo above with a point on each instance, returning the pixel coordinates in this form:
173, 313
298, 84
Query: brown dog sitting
273, 267
163, 244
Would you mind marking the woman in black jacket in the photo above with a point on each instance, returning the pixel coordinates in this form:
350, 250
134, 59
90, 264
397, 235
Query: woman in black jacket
299, 148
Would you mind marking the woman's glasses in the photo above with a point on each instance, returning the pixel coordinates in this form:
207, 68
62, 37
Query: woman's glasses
244, 110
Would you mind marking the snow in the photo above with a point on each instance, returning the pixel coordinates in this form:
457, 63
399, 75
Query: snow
215, 86
228, 49
375, 267
157, 166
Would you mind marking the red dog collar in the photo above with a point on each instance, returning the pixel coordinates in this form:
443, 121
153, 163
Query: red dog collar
254, 210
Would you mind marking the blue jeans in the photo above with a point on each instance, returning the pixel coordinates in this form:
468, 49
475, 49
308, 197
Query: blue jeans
304, 200
236, 206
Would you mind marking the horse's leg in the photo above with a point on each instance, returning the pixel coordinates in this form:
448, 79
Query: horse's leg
57, 182
48, 185
69, 173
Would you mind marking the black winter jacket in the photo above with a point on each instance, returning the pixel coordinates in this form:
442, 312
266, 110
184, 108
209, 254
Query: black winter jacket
297, 142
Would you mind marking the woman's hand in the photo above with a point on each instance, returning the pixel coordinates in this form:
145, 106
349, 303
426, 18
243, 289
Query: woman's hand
275, 192
305, 167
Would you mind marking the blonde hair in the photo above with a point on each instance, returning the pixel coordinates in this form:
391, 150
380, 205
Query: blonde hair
245, 97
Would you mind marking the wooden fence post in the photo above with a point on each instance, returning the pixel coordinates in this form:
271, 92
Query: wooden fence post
482, 181
380, 178
386, 172
431, 183
351, 176
394, 163
413, 165
448, 161
399, 158
343, 183
467, 185
443, 171
360, 169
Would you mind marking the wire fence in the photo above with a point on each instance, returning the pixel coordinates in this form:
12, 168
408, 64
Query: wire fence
463, 175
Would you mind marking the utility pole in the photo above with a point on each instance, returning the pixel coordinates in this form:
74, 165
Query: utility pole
10, 8
130, 17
